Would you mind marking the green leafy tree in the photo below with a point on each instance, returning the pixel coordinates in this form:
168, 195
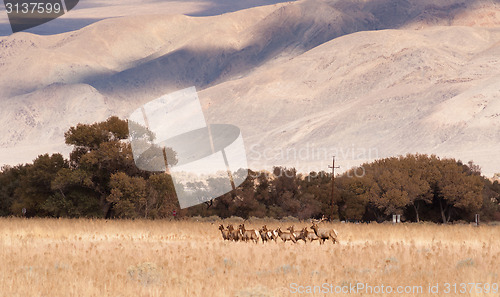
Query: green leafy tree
418, 189
459, 191
398, 185
74, 195
100, 150
128, 194
388, 193
315, 196
86, 138
10, 178
394, 185
161, 196
355, 195
35, 184
491, 200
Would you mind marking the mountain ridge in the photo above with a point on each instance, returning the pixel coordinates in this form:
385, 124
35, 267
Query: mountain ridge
332, 82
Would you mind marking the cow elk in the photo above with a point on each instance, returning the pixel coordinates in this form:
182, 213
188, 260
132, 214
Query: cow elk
324, 233
273, 234
234, 234
225, 233
267, 235
286, 236
309, 235
323, 218
298, 234
249, 234
263, 234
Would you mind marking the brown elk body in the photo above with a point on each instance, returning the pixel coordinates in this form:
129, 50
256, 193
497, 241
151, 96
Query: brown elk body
263, 234
286, 236
297, 234
234, 234
225, 233
324, 233
271, 234
309, 235
249, 234
267, 235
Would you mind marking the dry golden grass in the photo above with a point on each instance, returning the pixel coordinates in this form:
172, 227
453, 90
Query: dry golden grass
48, 257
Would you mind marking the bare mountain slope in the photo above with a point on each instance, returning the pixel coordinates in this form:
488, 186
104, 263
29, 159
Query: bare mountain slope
386, 92
35, 123
294, 76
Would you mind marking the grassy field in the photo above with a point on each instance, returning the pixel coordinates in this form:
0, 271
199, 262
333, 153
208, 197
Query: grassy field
49, 257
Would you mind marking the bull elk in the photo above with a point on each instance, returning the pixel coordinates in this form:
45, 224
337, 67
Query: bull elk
324, 233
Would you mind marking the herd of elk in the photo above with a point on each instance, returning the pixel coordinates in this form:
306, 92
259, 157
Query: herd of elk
317, 232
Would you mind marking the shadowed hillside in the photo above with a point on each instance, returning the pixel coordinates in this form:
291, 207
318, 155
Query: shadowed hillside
318, 73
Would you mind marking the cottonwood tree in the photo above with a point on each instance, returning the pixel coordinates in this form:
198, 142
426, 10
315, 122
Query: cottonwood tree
128, 195
9, 182
89, 137
399, 184
161, 196
458, 191
392, 185
315, 195
418, 189
35, 184
491, 200
74, 195
100, 150
355, 193
388, 193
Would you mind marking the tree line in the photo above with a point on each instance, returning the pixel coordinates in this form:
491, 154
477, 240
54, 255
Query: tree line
100, 180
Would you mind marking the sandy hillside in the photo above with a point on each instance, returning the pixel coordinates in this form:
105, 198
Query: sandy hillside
303, 80
91, 11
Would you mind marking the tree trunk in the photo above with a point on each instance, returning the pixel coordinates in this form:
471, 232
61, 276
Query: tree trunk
381, 217
107, 210
443, 211
416, 212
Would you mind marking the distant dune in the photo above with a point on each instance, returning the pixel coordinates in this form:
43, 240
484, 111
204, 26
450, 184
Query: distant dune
303, 80
90, 11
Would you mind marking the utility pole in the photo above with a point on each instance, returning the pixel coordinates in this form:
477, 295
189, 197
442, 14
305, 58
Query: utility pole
333, 184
